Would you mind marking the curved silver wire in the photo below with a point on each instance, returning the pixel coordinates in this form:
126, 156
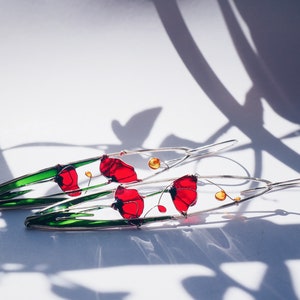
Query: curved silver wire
247, 194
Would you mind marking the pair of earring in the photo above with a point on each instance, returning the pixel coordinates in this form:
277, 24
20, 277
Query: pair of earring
127, 197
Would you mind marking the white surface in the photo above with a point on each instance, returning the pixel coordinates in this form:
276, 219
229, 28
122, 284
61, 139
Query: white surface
82, 77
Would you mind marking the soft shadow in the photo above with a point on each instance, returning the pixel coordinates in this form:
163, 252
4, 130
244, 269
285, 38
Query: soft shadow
247, 118
78, 292
137, 129
5, 173
131, 135
275, 68
53, 252
57, 252
239, 248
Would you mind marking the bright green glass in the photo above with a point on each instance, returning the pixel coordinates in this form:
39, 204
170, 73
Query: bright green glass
28, 202
39, 176
72, 221
8, 197
73, 201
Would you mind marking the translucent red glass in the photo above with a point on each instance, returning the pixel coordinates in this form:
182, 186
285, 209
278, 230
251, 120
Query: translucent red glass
184, 193
128, 202
162, 208
117, 170
67, 179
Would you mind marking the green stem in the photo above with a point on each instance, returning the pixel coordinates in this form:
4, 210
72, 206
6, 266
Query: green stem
70, 221
71, 202
39, 176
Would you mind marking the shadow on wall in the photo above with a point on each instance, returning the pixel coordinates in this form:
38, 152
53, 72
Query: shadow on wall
274, 28
60, 252
251, 122
55, 252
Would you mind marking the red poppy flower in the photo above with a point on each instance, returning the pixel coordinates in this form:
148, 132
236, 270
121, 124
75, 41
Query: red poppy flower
67, 179
117, 170
184, 193
128, 202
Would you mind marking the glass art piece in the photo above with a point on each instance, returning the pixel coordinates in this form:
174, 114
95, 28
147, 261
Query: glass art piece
131, 194
180, 198
17, 193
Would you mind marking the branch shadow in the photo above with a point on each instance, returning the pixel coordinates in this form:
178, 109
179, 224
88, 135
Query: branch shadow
274, 69
55, 252
58, 252
131, 135
247, 118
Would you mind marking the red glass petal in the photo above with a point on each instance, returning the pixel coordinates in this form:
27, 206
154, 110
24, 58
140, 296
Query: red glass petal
128, 202
117, 170
184, 192
67, 179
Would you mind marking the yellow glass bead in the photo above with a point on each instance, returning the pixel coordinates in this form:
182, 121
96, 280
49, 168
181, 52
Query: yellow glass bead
154, 163
88, 174
221, 195
237, 199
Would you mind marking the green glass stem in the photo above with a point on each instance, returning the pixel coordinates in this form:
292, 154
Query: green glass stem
75, 221
11, 195
64, 205
28, 202
40, 176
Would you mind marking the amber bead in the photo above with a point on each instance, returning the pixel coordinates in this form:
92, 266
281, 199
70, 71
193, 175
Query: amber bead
154, 163
221, 195
88, 174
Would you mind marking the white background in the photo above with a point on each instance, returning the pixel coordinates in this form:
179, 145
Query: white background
80, 78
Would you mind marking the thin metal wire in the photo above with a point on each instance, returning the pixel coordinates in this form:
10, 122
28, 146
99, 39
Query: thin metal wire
209, 180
